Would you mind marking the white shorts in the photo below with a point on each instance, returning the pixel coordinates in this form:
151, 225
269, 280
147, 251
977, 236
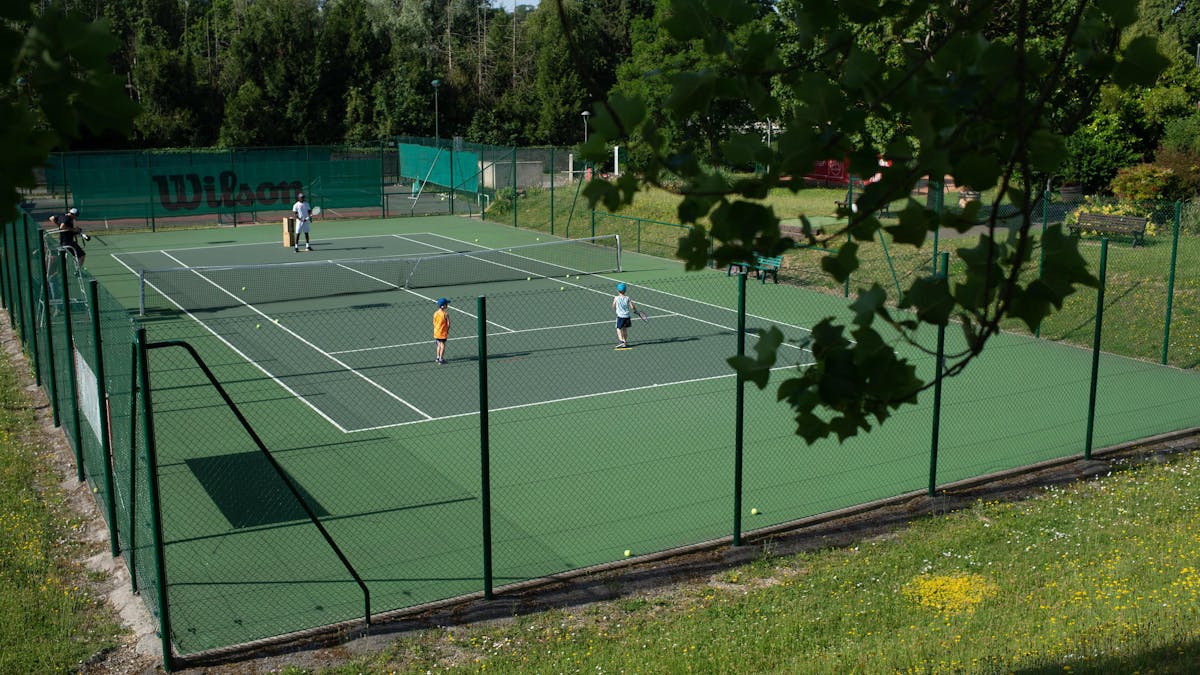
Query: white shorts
301, 227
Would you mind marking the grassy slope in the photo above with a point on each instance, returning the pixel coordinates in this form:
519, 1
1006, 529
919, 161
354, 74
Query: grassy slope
49, 622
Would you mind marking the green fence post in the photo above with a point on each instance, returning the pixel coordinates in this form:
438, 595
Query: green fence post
382, 182
1037, 332
134, 357
1171, 284
5, 254
23, 278
846, 286
102, 396
51, 375
1091, 418
32, 345
72, 374
940, 367
593, 234
514, 186
451, 154
739, 418
485, 470
151, 459
552, 191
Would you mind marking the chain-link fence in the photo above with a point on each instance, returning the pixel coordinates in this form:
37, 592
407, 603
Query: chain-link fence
268, 468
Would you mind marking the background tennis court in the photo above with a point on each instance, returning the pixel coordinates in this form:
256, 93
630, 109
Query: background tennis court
592, 451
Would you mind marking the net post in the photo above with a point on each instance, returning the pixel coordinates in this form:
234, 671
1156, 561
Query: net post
72, 372
619, 253
485, 479
1091, 418
142, 292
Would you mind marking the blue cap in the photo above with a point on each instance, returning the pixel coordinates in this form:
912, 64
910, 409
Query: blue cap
442, 302
621, 287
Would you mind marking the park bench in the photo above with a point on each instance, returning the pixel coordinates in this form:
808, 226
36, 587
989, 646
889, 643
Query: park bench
1108, 223
762, 266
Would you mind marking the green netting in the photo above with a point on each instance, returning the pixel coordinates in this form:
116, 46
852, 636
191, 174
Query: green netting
237, 184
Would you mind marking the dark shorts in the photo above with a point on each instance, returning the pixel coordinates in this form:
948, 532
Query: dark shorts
441, 340
624, 322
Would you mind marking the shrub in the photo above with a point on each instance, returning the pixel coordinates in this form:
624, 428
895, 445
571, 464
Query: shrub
1182, 135
1145, 182
1186, 166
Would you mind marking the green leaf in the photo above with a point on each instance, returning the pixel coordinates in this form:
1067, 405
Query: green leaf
867, 304
1140, 64
931, 299
843, 263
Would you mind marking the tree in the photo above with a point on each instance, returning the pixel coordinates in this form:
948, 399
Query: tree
961, 101
55, 82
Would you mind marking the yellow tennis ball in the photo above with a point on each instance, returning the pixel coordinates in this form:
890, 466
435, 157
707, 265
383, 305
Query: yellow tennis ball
95, 489
243, 288
528, 278
476, 241
258, 325
628, 553
754, 512
275, 320
561, 288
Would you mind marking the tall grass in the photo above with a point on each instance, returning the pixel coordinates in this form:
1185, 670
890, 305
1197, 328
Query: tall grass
49, 621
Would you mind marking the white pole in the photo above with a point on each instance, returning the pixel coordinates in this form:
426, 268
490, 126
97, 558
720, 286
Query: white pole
570, 166
617, 160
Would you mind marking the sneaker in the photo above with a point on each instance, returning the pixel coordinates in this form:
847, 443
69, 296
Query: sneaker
307, 247
442, 361
296, 249
621, 344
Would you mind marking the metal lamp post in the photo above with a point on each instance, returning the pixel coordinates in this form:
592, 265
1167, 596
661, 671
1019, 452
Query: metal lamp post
436, 84
585, 114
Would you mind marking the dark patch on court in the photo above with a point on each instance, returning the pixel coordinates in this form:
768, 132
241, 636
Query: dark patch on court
248, 490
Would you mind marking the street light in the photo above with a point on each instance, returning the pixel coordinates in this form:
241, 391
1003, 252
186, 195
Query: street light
436, 84
585, 114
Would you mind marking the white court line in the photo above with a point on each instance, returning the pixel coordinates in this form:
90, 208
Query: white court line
679, 297
275, 244
249, 360
570, 398
289, 331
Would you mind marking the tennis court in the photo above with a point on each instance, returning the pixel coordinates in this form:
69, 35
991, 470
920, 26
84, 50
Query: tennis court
362, 359
592, 451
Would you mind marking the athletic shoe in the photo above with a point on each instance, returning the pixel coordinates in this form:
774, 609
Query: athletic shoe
621, 344
442, 361
308, 248
296, 249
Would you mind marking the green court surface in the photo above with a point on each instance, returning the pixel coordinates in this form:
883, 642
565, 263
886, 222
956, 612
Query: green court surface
592, 451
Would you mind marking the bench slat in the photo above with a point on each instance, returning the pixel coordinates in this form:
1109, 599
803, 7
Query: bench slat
1112, 223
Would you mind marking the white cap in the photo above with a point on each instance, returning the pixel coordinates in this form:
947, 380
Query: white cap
73, 211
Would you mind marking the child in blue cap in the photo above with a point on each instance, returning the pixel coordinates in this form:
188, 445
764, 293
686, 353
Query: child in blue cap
625, 309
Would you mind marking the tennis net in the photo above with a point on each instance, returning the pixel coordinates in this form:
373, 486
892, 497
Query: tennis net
214, 287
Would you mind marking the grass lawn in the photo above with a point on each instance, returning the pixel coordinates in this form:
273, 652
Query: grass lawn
49, 621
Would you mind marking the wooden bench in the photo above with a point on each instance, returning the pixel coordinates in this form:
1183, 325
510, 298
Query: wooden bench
885, 210
762, 266
1108, 223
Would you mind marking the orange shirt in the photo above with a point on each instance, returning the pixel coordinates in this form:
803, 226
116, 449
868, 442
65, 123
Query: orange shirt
441, 324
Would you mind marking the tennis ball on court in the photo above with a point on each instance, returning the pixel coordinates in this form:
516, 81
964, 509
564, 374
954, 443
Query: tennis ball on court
754, 512
528, 278
561, 288
275, 320
476, 241
628, 553
95, 490
258, 325
243, 288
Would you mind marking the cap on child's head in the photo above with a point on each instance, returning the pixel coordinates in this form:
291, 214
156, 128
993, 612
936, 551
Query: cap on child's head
73, 211
300, 196
442, 302
621, 287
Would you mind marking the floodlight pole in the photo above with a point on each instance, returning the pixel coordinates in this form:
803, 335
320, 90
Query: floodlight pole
436, 133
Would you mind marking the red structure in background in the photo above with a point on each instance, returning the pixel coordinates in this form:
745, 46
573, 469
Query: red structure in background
836, 173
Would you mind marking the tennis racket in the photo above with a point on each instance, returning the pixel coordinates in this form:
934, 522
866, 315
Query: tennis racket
641, 315
316, 211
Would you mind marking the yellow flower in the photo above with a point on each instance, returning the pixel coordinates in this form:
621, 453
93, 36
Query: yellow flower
950, 593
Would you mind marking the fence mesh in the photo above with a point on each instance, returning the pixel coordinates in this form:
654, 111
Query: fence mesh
591, 451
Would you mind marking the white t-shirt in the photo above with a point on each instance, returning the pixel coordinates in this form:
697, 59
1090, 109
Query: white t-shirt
302, 210
621, 303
